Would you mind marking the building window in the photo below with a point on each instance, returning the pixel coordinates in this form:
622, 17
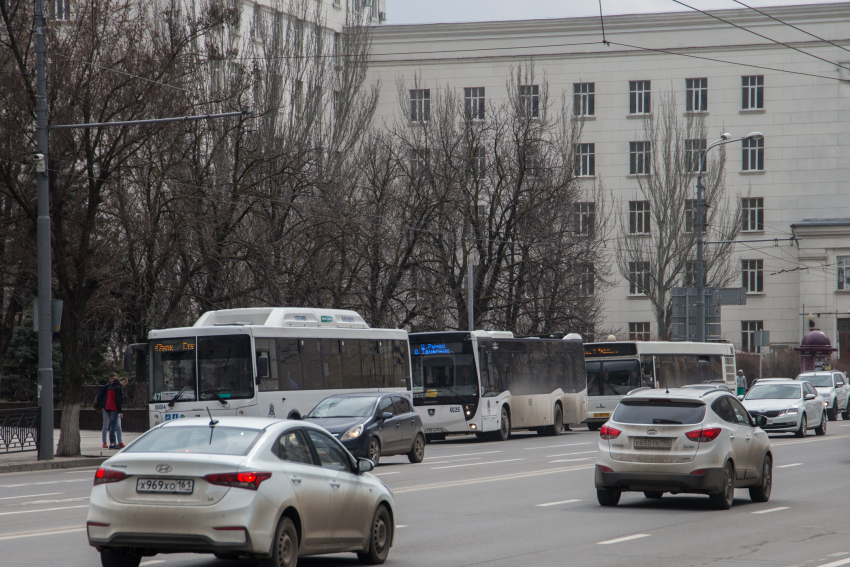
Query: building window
696, 95
257, 27
752, 275
748, 330
217, 75
639, 97
585, 218
474, 102
298, 36
479, 162
693, 153
337, 48
638, 217
752, 157
752, 212
420, 105
640, 156
297, 97
587, 280
690, 277
843, 263
583, 104
638, 331
585, 160
419, 163
337, 2
60, 10
752, 92
691, 216
529, 100
638, 277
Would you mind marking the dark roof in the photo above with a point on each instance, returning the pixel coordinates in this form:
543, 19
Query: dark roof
823, 222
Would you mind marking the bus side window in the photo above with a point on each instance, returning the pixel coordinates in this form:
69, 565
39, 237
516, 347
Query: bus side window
331, 364
289, 365
370, 363
311, 360
352, 374
647, 374
401, 364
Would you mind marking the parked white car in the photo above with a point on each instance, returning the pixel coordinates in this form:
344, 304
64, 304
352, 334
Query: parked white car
683, 440
790, 406
267, 489
834, 389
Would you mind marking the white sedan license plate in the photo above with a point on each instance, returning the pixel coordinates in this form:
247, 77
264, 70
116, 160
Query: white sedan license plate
165, 486
650, 443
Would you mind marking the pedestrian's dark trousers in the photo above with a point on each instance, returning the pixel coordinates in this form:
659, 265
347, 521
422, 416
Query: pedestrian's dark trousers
113, 426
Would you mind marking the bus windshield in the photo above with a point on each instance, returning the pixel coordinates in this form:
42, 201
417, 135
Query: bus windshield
443, 374
224, 361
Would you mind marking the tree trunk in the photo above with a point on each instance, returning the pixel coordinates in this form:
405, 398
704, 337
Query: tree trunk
69, 438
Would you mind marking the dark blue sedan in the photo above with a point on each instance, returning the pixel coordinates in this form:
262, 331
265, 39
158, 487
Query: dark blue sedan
372, 425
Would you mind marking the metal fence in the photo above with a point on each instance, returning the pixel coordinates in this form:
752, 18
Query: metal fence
19, 430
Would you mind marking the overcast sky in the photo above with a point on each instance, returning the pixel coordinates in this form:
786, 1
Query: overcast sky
440, 11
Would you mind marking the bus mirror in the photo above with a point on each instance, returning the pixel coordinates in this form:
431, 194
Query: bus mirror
128, 359
262, 366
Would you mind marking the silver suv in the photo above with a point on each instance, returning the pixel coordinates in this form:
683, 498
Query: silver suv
833, 387
683, 441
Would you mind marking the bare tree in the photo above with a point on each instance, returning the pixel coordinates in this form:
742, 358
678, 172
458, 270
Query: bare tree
657, 248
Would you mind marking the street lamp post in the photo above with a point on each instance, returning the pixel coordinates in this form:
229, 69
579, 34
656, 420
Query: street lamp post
724, 139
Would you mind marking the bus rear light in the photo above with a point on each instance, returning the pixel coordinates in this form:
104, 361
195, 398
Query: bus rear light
609, 432
703, 435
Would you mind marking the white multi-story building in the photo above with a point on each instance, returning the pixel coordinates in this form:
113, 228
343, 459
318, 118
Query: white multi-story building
797, 95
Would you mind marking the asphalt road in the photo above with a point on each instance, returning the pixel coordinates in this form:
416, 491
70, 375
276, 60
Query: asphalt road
528, 501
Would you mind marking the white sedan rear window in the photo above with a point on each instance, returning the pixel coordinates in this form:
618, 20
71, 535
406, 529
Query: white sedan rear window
216, 440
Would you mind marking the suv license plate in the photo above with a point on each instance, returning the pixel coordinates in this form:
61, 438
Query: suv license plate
163, 486
651, 443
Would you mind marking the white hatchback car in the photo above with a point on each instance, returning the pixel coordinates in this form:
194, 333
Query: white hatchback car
683, 441
272, 490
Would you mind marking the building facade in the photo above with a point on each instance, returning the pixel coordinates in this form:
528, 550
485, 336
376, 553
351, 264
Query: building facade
792, 183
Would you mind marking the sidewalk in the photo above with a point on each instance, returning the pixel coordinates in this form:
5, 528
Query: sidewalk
93, 454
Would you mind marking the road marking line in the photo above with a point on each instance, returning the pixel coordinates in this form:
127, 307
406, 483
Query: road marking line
791, 465
57, 501
839, 554
489, 479
463, 455
771, 510
401, 526
836, 563
154, 562
555, 446
42, 483
452, 461
474, 464
570, 460
569, 454
384, 473
32, 495
844, 425
42, 533
810, 440
45, 510
561, 502
622, 539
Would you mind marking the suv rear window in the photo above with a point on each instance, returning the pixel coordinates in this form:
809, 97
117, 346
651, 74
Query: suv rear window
649, 412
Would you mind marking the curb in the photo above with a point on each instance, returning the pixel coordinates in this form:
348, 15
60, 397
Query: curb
73, 463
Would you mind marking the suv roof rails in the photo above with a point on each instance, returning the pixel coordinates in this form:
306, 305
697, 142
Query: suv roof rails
639, 390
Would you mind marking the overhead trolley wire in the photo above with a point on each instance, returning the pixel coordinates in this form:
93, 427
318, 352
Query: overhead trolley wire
760, 35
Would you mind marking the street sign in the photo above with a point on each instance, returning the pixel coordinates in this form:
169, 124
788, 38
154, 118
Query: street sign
761, 338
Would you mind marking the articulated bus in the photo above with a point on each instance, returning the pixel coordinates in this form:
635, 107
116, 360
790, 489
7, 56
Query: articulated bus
490, 383
269, 361
614, 369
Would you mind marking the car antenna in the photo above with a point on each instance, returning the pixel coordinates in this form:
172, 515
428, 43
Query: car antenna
213, 422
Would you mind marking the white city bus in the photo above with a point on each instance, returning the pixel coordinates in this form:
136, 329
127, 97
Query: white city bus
614, 369
490, 383
270, 361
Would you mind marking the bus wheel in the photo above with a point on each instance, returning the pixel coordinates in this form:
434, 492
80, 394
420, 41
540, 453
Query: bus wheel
558, 424
504, 432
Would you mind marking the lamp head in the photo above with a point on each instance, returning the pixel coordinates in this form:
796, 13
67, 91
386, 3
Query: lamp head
725, 136
754, 135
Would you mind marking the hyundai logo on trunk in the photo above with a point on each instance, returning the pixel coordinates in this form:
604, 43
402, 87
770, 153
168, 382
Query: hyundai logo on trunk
431, 411
651, 431
163, 469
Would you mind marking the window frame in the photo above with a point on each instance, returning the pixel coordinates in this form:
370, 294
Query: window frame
640, 158
842, 264
752, 92
752, 152
529, 100
696, 94
748, 329
752, 275
640, 97
585, 217
640, 221
694, 149
420, 105
584, 99
752, 214
639, 334
638, 271
585, 160
474, 102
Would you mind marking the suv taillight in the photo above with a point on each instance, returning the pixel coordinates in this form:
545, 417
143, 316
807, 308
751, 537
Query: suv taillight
609, 432
703, 435
106, 476
249, 480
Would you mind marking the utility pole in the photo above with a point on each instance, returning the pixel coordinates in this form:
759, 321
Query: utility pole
700, 338
469, 292
45, 324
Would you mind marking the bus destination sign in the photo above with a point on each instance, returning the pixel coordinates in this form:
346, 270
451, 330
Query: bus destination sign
437, 348
593, 350
173, 346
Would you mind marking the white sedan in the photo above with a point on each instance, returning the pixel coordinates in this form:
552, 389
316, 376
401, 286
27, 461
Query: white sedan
261, 488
